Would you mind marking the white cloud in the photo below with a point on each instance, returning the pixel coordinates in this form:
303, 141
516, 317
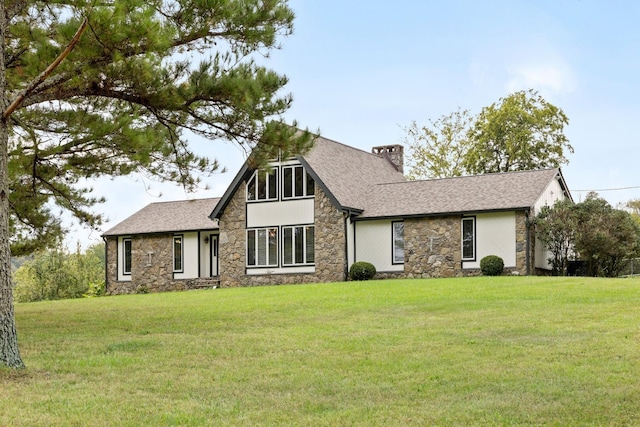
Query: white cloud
554, 78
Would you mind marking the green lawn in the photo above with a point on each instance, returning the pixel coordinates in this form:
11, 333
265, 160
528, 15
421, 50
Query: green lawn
475, 351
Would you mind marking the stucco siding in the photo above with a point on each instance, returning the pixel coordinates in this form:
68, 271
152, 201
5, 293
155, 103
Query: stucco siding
549, 196
495, 235
208, 245
287, 212
351, 247
373, 243
190, 257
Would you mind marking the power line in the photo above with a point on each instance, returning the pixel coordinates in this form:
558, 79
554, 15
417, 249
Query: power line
608, 189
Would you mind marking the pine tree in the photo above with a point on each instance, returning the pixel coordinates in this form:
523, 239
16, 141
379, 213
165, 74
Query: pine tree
93, 89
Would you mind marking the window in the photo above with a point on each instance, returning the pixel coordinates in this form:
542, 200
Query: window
263, 185
469, 239
177, 254
262, 247
126, 256
398, 242
298, 245
296, 183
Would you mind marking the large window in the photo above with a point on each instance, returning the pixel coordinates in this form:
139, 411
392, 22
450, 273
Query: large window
126, 256
468, 239
298, 245
398, 242
263, 185
178, 254
262, 247
296, 182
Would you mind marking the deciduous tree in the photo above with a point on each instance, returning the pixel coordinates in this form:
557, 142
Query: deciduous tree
520, 132
437, 150
556, 228
57, 274
606, 238
633, 207
90, 89
603, 237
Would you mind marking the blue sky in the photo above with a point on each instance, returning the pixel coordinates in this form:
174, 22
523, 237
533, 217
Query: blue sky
360, 71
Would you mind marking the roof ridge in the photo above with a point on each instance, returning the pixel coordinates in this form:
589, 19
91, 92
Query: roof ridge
351, 147
475, 176
184, 200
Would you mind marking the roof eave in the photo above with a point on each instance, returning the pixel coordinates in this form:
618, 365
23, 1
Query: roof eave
228, 195
563, 185
437, 214
148, 233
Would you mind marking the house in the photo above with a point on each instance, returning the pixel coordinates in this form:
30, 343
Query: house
164, 246
307, 219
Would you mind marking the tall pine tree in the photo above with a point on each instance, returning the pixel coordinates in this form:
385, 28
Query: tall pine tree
107, 88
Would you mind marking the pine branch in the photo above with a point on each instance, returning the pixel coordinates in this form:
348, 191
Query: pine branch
43, 76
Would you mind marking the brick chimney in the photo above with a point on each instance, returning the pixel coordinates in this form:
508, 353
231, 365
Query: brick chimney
393, 153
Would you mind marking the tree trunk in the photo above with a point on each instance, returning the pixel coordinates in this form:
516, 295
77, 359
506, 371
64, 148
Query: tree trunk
9, 352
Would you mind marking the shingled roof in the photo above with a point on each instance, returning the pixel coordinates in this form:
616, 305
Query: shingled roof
488, 192
164, 217
344, 173
349, 173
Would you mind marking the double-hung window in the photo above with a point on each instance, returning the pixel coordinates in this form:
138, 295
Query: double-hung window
298, 245
468, 239
263, 185
126, 256
296, 182
398, 242
262, 247
178, 254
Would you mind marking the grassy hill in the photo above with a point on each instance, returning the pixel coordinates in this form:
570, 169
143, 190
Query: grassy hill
475, 351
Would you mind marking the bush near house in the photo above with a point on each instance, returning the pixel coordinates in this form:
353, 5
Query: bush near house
492, 265
601, 238
362, 271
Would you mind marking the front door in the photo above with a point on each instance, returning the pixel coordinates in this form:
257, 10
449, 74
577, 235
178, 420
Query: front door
213, 250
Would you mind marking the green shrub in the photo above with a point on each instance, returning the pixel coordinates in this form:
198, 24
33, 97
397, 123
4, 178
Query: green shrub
362, 271
95, 289
492, 265
58, 274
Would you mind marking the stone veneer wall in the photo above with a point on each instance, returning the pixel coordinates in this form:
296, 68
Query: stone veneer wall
231, 252
330, 246
151, 267
432, 247
331, 241
111, 251
522, 230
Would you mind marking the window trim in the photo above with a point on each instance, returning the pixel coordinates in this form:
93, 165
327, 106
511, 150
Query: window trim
175, 237
305, 182
305, 253
393, 243
256, 257
472, 219
126, 240
269, 173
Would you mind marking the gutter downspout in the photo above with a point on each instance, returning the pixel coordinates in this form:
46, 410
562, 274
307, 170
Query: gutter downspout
106, 265
347, 214
528, 241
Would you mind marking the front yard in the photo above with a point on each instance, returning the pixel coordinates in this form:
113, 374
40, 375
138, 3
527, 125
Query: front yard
473, 351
